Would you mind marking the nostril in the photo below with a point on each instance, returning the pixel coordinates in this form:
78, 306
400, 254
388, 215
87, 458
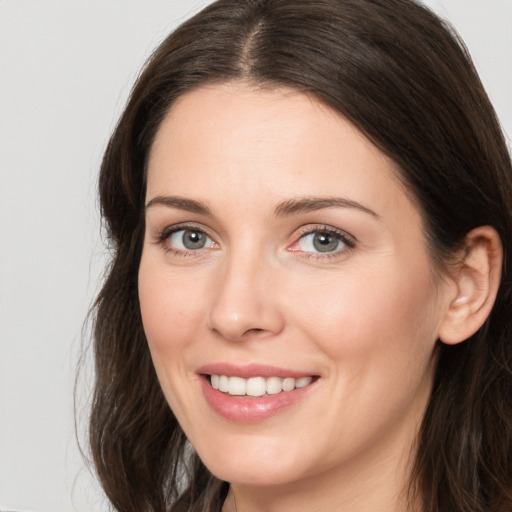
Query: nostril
236, 319
254, 331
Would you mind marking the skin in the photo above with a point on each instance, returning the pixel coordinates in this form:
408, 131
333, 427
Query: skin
365, 319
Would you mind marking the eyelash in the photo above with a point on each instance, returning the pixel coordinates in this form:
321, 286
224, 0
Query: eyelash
163, 238
347, 240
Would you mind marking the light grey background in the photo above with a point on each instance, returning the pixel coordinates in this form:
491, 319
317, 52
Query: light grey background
65, 71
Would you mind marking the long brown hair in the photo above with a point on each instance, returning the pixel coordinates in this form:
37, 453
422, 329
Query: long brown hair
406, 81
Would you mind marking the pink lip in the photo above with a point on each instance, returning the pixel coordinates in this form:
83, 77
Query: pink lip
244, 409
250, 370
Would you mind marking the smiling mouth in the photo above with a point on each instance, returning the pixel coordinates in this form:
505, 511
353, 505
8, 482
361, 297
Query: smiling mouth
258, 386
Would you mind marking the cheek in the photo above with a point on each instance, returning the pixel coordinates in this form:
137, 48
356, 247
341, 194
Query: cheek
378, 333
387, 310
171, 314
171, 307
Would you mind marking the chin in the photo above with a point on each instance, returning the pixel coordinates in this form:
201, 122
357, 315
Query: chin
247, 474
252, 465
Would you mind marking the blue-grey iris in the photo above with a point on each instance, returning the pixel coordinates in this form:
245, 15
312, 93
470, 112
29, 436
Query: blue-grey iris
193, 239
325, 242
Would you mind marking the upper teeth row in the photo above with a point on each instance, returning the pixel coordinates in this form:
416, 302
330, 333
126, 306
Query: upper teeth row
257, 386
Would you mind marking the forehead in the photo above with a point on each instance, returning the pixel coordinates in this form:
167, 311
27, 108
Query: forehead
234, 137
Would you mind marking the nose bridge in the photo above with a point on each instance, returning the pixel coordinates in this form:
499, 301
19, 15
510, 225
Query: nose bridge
244, 302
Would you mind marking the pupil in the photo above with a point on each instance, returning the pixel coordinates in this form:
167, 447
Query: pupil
194, 239
324, 242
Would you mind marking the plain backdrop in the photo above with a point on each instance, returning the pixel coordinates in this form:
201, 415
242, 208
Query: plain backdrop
66, 68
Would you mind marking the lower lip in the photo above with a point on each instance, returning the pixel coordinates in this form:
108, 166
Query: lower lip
246, 409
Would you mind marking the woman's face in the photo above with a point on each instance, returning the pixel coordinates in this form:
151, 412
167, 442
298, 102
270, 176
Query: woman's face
281, 252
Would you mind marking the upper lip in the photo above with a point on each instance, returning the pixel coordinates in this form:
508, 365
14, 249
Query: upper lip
247, 371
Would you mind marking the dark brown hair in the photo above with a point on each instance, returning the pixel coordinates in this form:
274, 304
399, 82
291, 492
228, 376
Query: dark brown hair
405, 80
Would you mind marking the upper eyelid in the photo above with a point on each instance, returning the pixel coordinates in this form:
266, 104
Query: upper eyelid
184, 226
296, 234
161, 236
307, 228
319, 228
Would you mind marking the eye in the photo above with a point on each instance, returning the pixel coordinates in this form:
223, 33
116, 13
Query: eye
324, 240
189, 240
320, 242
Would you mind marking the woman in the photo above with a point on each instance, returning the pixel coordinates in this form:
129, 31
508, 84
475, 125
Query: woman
308, 306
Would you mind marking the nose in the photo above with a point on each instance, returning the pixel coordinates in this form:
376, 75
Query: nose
246, 302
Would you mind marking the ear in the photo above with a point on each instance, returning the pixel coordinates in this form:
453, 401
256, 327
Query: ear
477, 278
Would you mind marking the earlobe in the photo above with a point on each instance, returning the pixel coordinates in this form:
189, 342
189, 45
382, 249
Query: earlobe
477, 279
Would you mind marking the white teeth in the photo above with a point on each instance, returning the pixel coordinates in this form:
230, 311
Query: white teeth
288, 384
236, 386
224, 383
257, 386
303, 382
274, 385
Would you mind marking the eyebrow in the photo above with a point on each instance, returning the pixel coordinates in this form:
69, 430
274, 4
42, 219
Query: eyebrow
181, 203
308, 204
287, 208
